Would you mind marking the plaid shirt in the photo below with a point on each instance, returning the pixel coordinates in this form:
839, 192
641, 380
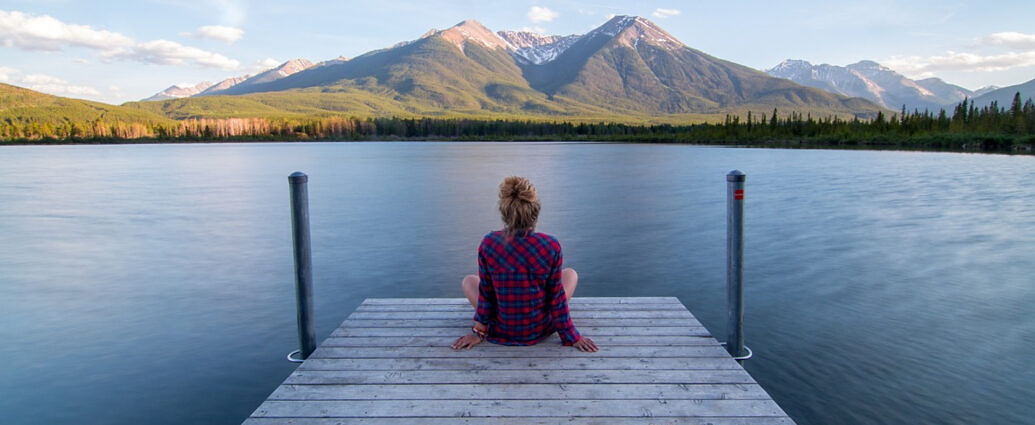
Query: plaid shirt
520, 296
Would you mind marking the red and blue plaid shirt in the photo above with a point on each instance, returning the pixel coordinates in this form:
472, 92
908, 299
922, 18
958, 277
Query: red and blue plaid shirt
520, 296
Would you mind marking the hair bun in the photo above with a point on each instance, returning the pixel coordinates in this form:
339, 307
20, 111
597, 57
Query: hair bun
518, 188
519, 203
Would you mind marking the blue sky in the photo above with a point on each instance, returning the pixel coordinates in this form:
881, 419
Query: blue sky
116, 51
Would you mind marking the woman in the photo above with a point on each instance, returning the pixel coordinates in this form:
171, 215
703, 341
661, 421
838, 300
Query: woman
520, 294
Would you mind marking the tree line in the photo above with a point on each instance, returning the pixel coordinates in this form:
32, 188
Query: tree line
987, 128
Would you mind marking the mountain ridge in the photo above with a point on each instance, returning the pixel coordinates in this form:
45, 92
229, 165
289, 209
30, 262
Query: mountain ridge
626, 66
875, 82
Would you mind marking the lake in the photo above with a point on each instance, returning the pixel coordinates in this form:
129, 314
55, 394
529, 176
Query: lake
154, 283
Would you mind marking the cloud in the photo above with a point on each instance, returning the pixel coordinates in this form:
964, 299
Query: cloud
664, 13
267, 63
923, 66
228, 35
541, 14
81, 61
165, 52
6, 72
54, 85
1013, 40
955, 61
45, 33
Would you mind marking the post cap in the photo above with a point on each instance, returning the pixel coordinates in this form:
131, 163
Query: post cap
736, 176
298, 177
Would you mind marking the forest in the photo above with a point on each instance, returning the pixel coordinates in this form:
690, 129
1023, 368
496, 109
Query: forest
990, 128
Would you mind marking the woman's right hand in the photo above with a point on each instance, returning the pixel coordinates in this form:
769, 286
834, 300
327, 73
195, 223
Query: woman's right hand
467, 341
586, 344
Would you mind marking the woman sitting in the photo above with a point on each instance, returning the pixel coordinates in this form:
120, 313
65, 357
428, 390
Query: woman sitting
521, 293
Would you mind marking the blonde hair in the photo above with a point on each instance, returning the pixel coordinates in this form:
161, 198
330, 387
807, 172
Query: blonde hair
519, 204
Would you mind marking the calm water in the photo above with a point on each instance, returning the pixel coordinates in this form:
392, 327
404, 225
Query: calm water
153, 283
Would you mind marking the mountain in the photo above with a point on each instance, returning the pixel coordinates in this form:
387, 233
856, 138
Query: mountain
535, 48
178, 91
225, 84
23, 106
627, 67
985, 89
273, 74
1004, 96
871, 81
206, 88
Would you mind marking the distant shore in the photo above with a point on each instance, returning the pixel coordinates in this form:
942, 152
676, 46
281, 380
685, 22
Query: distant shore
975, 144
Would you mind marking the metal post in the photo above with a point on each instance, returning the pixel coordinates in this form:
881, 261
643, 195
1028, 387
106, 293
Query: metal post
303, 263
735, 263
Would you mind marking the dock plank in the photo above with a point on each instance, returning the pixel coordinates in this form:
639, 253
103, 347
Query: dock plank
353, 329
390, 362
520, 363
522, 392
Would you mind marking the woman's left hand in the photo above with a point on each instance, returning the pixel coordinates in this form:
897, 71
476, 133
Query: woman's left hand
467, 341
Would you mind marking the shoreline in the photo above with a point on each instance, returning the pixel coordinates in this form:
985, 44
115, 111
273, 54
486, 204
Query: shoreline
848, 145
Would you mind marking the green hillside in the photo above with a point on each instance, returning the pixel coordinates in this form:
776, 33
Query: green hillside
22, 106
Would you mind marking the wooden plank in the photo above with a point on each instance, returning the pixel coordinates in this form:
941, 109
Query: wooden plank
726, 376
527, 408
522, 392
539, 351
390, 362
470, 310
435, 341
353, 329
466, 321
522, 420
519, 363
576, 300
459, 315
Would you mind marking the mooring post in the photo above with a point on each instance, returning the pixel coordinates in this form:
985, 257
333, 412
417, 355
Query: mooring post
735, 264
303, 264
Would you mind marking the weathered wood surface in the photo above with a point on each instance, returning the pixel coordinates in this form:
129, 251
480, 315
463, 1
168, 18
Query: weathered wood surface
390, 363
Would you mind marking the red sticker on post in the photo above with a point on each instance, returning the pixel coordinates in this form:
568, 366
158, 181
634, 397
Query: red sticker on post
738, 194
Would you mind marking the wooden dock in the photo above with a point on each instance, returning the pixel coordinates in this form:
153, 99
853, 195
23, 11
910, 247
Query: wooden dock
390, 362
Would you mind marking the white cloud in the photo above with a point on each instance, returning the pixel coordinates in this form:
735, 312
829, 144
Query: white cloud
955, 61
46, 33
541, 14
165, 52
81, 61
54, 85
664, 13
1013, 40
924, 66
268, 63
228, 35
6, 72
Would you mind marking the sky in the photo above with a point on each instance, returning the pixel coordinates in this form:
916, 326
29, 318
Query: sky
116, 51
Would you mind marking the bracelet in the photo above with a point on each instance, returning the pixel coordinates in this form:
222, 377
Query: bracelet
482, 334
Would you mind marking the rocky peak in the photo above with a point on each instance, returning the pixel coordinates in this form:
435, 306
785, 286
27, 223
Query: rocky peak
634, 30
536, 48
292, 66
469, 31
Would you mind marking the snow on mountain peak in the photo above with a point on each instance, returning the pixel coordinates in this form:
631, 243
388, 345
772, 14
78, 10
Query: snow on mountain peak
537, 48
